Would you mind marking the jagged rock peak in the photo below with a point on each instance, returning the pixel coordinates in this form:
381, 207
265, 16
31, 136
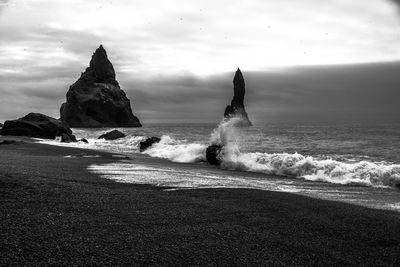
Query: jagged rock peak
101, 68
236, 108
238, 88
96, 99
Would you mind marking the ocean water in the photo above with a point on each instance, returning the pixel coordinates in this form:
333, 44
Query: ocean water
358, 164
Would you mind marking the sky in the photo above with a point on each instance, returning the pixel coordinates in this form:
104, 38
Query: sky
303, 60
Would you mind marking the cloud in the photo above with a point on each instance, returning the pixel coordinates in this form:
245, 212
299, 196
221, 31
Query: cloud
341, 93
174, 59
396, 2
3, 5
361, 92
202, 37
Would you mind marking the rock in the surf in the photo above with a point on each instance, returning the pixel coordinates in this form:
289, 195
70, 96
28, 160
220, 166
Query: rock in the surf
96, 99
236, 108
213, 154
112, 135
37, 125
65, 138
83, 140
148, 143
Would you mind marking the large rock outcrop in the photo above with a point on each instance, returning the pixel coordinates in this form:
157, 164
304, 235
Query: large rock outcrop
96, 99
236, 108
38, 125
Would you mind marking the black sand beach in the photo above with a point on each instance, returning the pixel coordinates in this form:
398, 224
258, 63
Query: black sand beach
54, 212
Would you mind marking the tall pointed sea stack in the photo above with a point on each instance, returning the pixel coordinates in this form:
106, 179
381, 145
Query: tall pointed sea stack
236, 108
96, 100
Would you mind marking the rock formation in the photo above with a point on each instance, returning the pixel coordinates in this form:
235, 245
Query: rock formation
213, 154
96, 99
38, 125
83, 140
236, 108
112, 135
148, 143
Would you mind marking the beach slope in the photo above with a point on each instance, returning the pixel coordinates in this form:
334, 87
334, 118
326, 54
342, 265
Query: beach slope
54, 212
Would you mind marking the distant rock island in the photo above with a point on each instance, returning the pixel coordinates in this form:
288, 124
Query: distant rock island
96, 99
236, 108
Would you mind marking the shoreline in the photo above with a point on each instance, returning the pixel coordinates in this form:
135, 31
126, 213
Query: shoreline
57, 212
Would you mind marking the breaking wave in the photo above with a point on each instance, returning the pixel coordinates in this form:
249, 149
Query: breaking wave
309, 168
377, 174
177, 151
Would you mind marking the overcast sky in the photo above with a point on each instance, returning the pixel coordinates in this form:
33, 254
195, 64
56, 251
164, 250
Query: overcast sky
303, 60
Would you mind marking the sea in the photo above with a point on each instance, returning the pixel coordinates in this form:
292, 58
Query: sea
353, 163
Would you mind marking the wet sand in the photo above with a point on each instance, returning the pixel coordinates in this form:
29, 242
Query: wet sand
55, 212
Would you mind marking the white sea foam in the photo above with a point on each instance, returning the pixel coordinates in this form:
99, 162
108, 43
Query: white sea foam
299, 166
178, 177
177, 151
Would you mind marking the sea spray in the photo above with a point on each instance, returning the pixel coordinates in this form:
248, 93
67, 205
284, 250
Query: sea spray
228, 136
182, 151
226, 133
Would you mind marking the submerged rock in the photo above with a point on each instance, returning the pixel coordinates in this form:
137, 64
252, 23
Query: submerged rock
112, 135
96, 99
148, 143
236, 108
212, 154
37, 125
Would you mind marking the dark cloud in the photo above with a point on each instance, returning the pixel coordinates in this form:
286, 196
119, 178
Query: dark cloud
363, 92
342, 93
396, 3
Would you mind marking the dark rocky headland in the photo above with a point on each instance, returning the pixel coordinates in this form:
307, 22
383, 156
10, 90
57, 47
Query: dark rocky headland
96, 99
40, 126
